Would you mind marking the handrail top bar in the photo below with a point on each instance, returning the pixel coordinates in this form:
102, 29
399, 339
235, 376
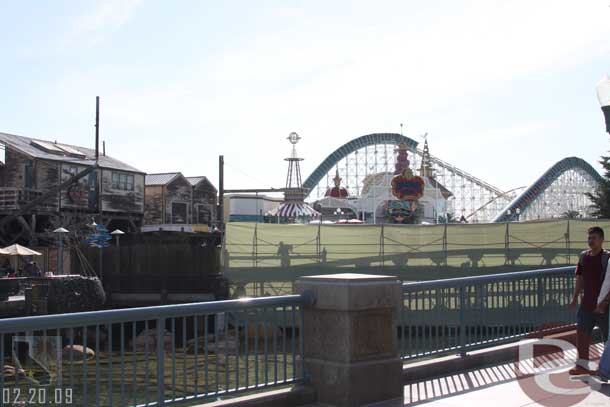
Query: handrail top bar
81, 319
460, 281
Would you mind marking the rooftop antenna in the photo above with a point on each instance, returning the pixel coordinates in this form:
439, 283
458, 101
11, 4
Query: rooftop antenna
98, 194
401, 129
97, 129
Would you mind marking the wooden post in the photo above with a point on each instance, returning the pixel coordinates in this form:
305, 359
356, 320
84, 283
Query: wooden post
507, 245
221, 191
28, 300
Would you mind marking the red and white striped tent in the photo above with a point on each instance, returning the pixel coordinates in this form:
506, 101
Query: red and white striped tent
294, 210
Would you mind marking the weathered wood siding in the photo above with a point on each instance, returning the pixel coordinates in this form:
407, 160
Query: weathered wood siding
77, 195
153, 205
42, 175
116, 200
22, 172
12, 174
204, 195
178, 191
47, 176
151, 262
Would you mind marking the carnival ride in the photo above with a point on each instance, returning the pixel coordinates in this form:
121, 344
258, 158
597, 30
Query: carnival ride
489, 242
561, 191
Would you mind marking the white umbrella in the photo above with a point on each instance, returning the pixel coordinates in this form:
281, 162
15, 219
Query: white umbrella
18, 250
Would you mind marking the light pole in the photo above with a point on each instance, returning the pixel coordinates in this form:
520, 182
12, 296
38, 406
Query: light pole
603, 95
117, 233
60, 254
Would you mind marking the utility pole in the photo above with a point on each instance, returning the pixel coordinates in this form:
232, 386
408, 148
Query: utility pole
97, 129
98, 172
221, 191
98, 180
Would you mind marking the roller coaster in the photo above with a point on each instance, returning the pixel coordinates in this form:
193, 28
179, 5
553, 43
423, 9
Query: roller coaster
559, 192
412, 252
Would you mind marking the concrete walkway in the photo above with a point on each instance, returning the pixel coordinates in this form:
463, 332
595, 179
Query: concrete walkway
513, 384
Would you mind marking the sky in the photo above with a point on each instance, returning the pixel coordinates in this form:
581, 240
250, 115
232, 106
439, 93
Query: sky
504, 89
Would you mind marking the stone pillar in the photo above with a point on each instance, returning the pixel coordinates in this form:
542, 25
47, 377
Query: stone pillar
351, 351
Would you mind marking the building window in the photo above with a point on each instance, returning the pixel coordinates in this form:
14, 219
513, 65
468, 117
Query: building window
122, 181
203, 215
29, 174
179, 212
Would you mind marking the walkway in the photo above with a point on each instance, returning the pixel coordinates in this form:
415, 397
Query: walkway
513, 385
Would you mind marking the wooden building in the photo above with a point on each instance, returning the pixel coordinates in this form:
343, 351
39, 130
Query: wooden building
204, 200
173, 199
31, 168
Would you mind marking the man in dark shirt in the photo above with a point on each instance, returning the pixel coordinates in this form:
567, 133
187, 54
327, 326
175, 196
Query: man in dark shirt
589, 280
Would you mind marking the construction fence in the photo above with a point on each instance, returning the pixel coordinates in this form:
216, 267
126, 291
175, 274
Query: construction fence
464, 246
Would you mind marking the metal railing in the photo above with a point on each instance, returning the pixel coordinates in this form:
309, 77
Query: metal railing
461, 314
152, 356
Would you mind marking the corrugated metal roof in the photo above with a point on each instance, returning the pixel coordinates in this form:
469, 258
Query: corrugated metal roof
24, 145
160, 179
196, 180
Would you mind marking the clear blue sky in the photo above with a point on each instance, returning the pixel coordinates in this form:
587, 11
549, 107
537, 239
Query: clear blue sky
504, 89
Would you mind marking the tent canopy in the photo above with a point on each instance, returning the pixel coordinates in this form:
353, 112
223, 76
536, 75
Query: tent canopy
294, 209
18, 250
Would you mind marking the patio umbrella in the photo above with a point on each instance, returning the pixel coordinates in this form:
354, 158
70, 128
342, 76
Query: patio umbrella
18, 250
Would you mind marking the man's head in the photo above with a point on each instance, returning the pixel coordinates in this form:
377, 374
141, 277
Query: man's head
595, 237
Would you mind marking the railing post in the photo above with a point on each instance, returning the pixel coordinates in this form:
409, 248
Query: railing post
351, 355
445, 245
462, 322
540, 291
507, 244
318, 241
255, 246
382, 246
568, 242
160, 362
